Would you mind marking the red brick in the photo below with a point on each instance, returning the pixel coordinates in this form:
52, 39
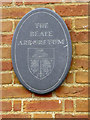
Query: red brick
34, 3
69, 23
88, 104
15, 92
82, 77
6, 65
17, 105
5, 52
81, 0
6, 78
19, 2
82, 49
6, 39
42, 105
49, 7
79, 36
79, 63
82, 105
81, 23
69, 107
42, 116
19, 115
79, 91
89, 49
6, 106
68, 1
6, 3
16, 81
70, 116
15, 23
72, 10
88, 62
31, 2
69, 78
6, 26
0, 105
46, 95
88, 91
14, 12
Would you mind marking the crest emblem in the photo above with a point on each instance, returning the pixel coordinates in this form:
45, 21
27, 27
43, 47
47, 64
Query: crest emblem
41, 61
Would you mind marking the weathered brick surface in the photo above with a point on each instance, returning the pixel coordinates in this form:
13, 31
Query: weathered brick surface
40, 2
16, 81
82, 105
17, 105
15, 24
43, 105
79, 36
14, 12
69, 78
6, 3
84, 1
15, 92
6, 78
6, 39
6, 65
78, 63
82, 77
73, 91
69, 106
82, 49
31, 2
46, 95
69, 23
72, 10
6, 52
7, 26
81, 23
6, 106
71, 116
19, 115
42, 116
19, 2
81, 0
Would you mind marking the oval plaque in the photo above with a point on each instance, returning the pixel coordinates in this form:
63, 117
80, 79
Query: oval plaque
41, 50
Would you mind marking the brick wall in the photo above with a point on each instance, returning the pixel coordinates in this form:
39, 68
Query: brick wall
70, 100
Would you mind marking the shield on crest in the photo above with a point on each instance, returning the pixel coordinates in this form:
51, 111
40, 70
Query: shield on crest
41, 61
